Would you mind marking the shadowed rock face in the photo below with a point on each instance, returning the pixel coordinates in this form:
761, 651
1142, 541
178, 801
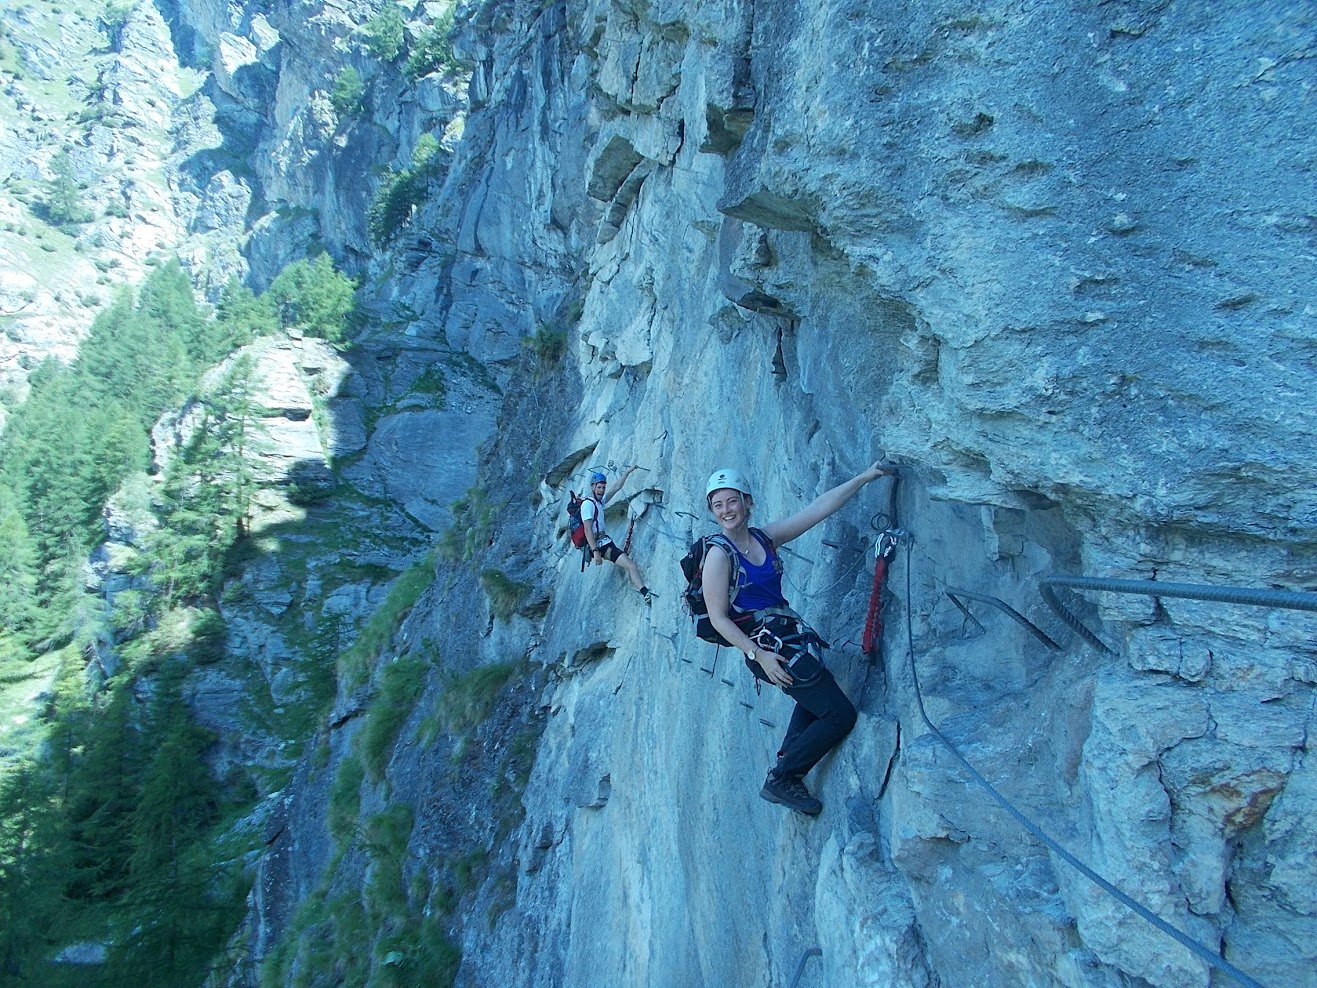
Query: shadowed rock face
1052, 259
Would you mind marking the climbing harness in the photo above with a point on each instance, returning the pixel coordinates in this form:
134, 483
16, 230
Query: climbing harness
783, 631
1203, 953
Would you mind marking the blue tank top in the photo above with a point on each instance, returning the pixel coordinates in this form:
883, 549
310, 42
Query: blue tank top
760, 586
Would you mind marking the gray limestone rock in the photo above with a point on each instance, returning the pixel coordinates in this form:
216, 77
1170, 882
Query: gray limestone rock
425, 460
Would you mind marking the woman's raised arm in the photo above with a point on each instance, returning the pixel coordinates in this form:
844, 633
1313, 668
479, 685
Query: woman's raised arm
827, 503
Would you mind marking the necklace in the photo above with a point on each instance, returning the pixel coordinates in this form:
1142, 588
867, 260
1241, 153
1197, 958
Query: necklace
746, 549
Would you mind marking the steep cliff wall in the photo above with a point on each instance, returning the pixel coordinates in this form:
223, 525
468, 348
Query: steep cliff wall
1051, 261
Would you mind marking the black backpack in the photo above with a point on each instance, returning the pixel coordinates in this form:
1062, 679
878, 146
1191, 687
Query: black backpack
692, 567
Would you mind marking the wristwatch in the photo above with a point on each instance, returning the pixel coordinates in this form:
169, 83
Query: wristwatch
752, 654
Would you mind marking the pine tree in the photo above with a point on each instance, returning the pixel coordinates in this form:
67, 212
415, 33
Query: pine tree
239, 437
63, 196
241, 316
167, 297
348, 93
70, 614
50, 468
103, 787
314, 297
178, 920
18, 582
384, 33
207, 493
32, 857
137, 359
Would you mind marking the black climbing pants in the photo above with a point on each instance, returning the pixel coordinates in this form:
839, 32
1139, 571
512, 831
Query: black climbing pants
823, 716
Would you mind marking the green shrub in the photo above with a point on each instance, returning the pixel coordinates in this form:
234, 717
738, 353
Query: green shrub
467, 871
383, 34
345, 799
114, 16
468, 699
504, 593
371, 937
326, 936
418, 954
473, 522
431, 382
349, 92
354, 665
385, 836
433, 51
314, 297
209, 632
177, 631
63, 204
401, 683
548, 345
402, 191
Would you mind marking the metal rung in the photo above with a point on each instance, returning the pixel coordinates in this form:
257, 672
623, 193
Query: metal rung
1005, 608
800, 968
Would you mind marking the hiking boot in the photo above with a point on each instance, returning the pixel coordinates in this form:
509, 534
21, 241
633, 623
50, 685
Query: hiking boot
791, 793
646, 596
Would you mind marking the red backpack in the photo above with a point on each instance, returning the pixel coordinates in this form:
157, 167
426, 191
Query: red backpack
574, 523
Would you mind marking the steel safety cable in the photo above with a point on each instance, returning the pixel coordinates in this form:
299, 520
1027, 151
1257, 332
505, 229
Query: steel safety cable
830, 587
1204, 953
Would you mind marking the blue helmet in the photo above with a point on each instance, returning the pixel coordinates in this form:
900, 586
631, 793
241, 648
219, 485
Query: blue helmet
598, 478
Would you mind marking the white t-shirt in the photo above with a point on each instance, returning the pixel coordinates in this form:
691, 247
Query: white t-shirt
593, 511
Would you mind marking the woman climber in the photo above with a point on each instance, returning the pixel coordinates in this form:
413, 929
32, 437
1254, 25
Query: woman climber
601, 544
780, 648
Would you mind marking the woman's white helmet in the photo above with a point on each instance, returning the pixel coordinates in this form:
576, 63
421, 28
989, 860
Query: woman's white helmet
727, 477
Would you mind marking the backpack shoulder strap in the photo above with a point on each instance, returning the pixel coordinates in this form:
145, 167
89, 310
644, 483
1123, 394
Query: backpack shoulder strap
734, 575
765, 540
722, 542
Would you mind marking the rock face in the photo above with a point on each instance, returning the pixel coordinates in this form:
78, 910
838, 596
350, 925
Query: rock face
1050, 259
1052, 265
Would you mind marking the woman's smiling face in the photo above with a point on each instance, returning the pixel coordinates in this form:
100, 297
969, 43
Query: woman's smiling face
730, 507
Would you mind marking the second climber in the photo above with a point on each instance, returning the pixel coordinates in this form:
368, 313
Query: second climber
600, 544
